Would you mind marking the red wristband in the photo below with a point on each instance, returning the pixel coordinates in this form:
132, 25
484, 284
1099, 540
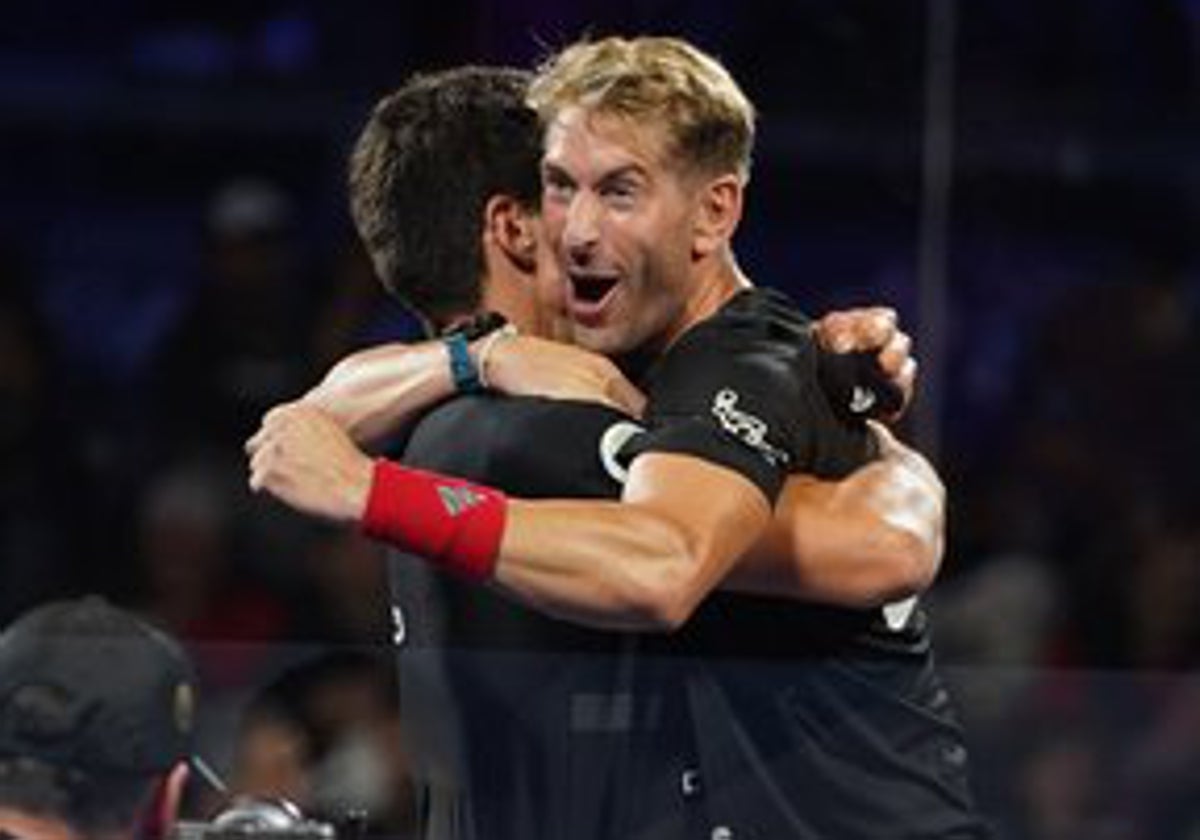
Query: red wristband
452, 523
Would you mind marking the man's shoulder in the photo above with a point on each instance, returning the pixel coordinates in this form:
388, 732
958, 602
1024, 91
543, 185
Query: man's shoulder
486, 419
528, 446
758, 334
759, 313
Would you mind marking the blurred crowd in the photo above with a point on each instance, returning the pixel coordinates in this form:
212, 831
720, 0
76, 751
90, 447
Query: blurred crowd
170, 268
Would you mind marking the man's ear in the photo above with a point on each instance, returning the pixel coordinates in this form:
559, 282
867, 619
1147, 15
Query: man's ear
718, 212
160, 813
513, 228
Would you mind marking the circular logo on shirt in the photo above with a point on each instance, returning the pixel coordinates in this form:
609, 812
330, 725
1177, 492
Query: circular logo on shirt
612, 442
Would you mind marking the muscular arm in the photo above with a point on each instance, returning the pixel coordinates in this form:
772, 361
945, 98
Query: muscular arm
643, 563
647, 561
373, 393
874, 537
870, 538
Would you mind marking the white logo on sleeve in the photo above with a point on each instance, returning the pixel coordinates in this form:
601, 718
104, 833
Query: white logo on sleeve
399, 628
745, 426
897, 613
862, 400
612, 442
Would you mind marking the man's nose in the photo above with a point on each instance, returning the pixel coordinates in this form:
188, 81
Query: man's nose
582, 231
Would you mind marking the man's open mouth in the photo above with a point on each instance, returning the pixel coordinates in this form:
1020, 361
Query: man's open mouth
591, 289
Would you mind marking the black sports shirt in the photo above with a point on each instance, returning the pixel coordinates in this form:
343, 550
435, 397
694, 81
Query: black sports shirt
762, 717
810, 721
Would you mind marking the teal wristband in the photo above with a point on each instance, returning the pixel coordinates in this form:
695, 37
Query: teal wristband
462, 367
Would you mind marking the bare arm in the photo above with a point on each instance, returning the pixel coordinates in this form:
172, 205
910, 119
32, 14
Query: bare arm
373, 393
643, 563
864, 541
647, 561
874, 537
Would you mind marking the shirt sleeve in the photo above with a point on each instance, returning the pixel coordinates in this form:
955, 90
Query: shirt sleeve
740, 404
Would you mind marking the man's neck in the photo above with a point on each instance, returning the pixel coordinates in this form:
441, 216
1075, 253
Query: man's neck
717, 281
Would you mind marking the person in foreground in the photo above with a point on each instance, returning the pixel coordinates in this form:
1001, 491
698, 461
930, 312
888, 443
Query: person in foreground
96, 714
734, 406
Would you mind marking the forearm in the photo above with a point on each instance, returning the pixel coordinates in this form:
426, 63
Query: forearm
645, 563
373, 393
607, 565
870, 539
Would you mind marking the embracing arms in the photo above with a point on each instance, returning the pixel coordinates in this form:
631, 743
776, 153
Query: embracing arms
376, 392
867, 539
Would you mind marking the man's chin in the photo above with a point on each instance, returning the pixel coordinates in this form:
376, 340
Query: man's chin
603, 339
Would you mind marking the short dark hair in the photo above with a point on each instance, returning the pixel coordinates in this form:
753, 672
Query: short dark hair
424, 166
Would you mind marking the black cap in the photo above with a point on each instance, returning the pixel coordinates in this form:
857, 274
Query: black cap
88, 686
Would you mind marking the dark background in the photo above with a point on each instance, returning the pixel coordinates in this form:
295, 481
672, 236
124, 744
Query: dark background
1018, 178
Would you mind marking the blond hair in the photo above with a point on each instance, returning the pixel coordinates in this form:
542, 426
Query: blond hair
709, 121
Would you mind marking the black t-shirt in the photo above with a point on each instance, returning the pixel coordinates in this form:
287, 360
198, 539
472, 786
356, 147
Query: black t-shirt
810, 721
765, 716
501, 703
741, 389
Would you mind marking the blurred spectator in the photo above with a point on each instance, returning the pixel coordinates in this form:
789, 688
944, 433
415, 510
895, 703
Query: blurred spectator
245, 345
326, 734
192, 582
1107, 432
1157, 778
1058, 792
358, 313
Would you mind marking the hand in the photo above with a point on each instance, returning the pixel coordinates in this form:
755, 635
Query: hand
873, 329
526, 366
303, 458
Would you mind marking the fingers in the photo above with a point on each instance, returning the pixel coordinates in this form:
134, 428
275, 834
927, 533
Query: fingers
263, 462
257, 480
864, 329
272, 420
895, 352
625, 397
906, 379
265, 445
876, 329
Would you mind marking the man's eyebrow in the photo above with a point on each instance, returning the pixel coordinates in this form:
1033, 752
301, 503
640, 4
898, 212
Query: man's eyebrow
624, 171
548, 168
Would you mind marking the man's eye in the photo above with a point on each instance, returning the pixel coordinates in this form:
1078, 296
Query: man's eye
622, 192
557, 189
